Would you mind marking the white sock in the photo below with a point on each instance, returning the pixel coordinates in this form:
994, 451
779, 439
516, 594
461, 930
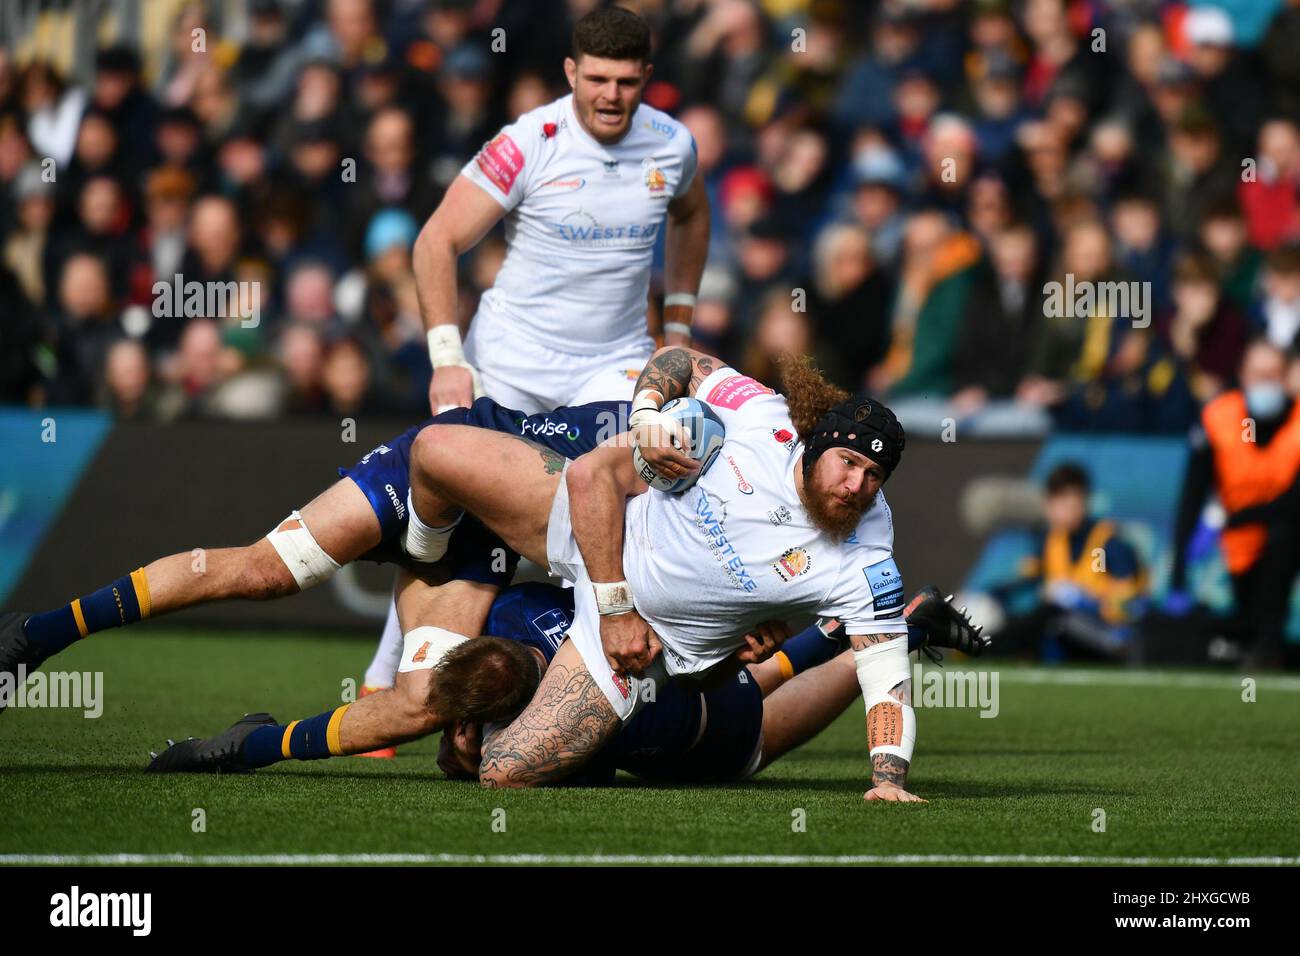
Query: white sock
423, 542
382, 671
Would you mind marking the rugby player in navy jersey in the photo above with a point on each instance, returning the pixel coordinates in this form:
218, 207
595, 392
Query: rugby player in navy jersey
363, 516
723, 732
726, 730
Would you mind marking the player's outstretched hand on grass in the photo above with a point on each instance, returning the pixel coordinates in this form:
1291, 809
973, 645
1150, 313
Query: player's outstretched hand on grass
452, 386
891, 794
629, 643
764, 641
664, 443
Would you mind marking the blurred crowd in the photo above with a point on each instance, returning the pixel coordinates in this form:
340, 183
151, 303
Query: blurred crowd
894, 186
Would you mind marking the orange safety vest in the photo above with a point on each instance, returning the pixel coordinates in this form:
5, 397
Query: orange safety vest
1248, 474
1109, 592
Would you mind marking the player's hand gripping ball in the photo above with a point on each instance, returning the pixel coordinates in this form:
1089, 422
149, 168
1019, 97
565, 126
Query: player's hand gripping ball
704, 431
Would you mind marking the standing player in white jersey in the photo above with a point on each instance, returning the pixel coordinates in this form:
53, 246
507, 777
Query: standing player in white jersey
586, 184
788, 520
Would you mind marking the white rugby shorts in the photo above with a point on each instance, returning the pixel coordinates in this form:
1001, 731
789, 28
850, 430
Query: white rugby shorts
520, 372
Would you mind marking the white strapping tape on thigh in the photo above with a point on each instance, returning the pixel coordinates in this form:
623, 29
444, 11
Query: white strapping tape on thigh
423, 648
305, 559
882, 667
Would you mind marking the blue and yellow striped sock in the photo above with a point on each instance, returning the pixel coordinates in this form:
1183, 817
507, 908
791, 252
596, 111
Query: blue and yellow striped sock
806, 649
125, 601
811, 647
312, 739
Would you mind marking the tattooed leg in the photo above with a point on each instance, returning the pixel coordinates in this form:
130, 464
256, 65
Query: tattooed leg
568, 721
885, 729
552, 461
507, 483
884, 677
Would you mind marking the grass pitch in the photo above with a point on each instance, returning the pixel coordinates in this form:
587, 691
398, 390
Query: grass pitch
1180, 765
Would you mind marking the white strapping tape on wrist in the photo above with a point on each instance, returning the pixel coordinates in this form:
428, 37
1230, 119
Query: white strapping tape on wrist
445, 350
305, 559
677, 328
647, 400
444, 346
423, 648
680, 298
645, 411
613, 597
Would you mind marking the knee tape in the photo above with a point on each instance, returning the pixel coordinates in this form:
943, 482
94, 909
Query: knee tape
305, 559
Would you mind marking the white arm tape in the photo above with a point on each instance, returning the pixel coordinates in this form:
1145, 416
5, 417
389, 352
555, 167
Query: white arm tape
881, 667
677, 328
680, 298
646, 400
305, 559
613, 597
645, 411
444, 346
445, 350
425, 647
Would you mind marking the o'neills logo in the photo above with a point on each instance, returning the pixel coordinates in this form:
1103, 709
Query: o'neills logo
398, 504
792, 564
745, 487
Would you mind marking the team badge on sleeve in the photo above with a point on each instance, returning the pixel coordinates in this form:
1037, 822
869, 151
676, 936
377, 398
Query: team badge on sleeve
736, 391
886, 585
501, 161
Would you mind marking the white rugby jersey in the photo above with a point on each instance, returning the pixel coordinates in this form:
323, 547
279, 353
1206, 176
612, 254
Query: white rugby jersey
738, 548
581, 224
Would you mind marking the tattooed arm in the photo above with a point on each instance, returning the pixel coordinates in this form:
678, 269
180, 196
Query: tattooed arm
676, 372
568, 721
886, 719
672, 372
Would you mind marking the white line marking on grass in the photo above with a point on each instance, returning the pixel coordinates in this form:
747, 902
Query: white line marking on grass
1104, 678
600, 859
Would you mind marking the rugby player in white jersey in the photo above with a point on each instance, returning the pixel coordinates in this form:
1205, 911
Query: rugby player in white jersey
789, 520
585, 184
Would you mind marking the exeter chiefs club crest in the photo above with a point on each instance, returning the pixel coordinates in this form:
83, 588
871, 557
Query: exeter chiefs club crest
655, 180
792, 564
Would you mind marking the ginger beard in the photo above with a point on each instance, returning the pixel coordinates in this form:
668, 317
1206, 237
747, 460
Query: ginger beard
830, 506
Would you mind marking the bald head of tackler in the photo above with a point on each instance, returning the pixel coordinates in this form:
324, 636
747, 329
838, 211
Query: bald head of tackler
862, 424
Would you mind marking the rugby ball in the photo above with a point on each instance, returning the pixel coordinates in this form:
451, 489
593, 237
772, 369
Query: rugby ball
706, 432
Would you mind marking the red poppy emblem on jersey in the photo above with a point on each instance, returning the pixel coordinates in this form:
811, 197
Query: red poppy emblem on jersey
548, 130
782, 435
